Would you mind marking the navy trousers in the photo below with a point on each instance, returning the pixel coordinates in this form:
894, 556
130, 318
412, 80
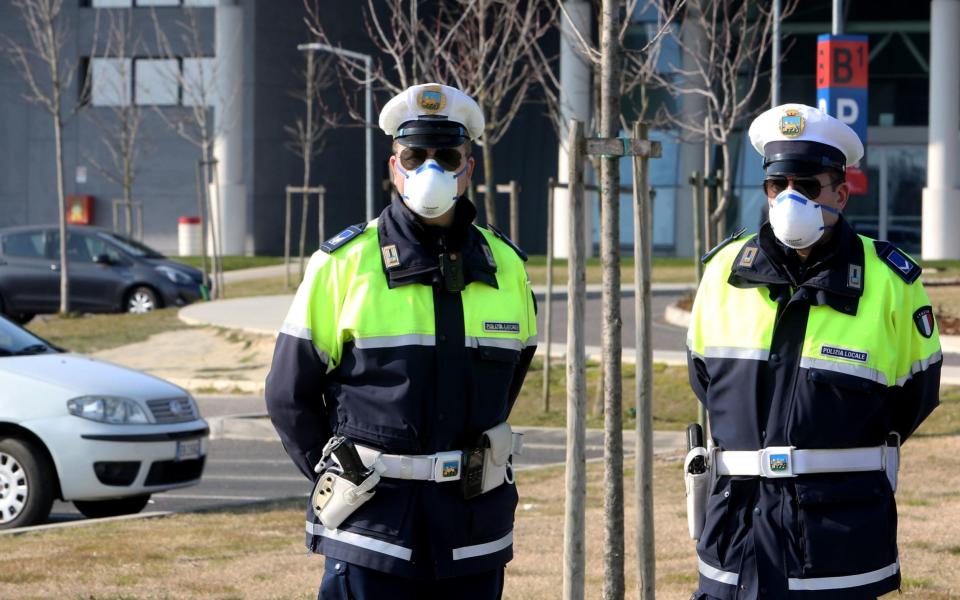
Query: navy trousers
343, 581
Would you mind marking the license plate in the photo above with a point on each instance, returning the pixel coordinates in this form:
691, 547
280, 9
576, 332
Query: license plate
187, 449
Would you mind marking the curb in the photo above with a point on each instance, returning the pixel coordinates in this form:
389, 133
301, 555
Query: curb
250, 426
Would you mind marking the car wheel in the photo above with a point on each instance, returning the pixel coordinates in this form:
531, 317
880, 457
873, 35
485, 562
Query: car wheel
141, 300
22, 318
96, 509
26, 484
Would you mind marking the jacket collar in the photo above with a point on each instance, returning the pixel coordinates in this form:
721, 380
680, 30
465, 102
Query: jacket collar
833, 274
410, 250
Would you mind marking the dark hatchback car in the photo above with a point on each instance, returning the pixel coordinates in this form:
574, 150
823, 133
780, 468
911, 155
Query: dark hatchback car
108, 273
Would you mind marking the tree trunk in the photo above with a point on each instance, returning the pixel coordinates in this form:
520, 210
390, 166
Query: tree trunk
490, 196
613, 581
58, 148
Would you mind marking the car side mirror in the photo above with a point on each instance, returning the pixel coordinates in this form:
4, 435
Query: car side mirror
103, 259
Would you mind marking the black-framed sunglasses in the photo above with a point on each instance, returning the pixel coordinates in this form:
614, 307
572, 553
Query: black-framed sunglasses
448, 158
808, 186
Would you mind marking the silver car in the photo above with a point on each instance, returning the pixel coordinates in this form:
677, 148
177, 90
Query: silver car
102, 436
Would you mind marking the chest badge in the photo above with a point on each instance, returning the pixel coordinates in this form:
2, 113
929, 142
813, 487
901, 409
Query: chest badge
923, 319
390, 256
844, 353
501, 327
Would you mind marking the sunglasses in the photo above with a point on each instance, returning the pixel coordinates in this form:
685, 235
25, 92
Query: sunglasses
448, 158
808, 186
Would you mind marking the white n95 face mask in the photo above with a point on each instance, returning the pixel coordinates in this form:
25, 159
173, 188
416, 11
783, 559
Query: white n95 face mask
429, 190
797, 221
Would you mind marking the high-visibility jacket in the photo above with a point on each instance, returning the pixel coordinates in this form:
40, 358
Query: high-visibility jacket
375, 349
836, 353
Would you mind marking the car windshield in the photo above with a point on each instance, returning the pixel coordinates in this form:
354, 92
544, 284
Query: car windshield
17, 341
132, 247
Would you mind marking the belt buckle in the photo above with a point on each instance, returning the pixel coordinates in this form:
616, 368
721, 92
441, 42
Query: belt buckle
446, 466
777, 461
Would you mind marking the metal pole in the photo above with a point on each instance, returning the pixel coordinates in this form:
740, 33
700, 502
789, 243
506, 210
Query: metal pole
515, 211
837, 28
576, 459
367, 110
368, 138
548, 299
696, 181
643, 479
286, 239
775, 57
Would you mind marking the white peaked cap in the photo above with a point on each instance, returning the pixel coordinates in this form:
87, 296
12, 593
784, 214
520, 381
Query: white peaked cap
775, 133
432, 103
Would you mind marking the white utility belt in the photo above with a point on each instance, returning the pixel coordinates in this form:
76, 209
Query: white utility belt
440, 467
787, 461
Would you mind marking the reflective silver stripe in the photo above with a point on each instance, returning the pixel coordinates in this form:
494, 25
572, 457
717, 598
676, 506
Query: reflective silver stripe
741, 353
483, 549
530, 341
362, 541
716, 574
846, 581
304, 333
861, 371
509, 344
395, 341
921, 365
297, 331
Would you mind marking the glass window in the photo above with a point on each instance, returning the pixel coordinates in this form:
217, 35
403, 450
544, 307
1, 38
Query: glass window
129, 246
27, 244
110, 3
110, 84
157, 81
15, 339
198, 81
158, 2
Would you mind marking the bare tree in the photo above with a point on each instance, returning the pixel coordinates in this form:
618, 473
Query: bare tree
195, 122
47, 76
728, 73
308, 130
120, 123
483, 47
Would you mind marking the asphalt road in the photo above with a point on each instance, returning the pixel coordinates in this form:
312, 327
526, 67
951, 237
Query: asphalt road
242, 471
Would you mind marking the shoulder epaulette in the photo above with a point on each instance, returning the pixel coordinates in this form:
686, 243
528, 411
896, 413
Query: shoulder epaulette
736, 236
898, 261
508, 241
340, 240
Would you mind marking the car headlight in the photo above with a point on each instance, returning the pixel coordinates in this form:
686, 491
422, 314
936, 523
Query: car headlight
178, 277
108, 409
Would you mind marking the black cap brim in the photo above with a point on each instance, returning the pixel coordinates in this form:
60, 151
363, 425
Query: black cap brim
801, 157
800, 168
424, 133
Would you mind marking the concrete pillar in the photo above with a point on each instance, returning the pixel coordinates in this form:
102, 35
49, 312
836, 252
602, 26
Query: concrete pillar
230, 212
941, 197
575, 94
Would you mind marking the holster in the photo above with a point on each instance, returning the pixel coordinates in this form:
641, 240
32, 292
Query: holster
697, 488
498, 449
335, 498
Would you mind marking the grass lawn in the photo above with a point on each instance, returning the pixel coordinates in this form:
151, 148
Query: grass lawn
89, 333
257, 552
232, 263
674, 405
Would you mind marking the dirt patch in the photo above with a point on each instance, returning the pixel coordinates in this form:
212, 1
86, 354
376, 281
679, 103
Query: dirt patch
197, 355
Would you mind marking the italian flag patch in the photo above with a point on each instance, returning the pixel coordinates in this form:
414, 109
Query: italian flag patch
923, 319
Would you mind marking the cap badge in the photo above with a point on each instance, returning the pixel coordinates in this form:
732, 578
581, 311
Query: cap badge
431, 100
792, 123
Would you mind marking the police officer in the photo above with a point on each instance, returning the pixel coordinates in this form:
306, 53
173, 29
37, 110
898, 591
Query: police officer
406, 346
816, 352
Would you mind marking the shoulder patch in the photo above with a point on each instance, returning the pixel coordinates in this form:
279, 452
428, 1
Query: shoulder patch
898, 261
509, 242
924, 320
736, 236
340, 240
